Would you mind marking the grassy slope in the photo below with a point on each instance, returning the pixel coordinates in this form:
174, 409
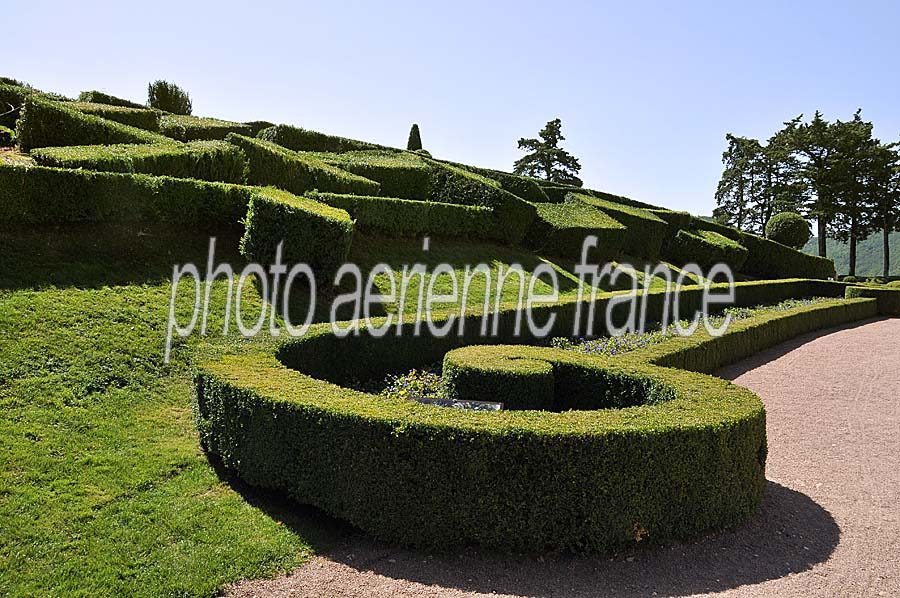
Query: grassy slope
868, 255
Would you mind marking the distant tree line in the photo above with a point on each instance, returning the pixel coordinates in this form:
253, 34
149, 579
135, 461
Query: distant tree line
835, 173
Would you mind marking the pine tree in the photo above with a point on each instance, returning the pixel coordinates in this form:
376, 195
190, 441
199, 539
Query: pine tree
415, 140
884, 188
547, 160
169, 97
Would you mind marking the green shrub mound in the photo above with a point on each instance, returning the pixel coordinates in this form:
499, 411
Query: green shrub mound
394, 217
271, 164
645, 232
683, 454
203, 160
142, 118
302, 140
560, 230
888, 298
706, 248
7, 137
788, 228
405, 175
43, 195
54, 124
194, 128
98, 97
311, 232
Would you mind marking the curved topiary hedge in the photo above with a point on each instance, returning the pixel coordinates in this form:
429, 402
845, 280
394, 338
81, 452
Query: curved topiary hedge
706, 248
645, 233
559, 230
888, 299
142, 118
194, 128
683, 454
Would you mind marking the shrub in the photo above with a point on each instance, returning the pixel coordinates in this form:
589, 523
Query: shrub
768, 259
788, 229
621, 199
524, 187
560, 230
706, 248
645, 232
676, 220
193, 128
404, 217
405, 175
42, 195
271, 164
312, 232
301, 140
11, 96
54, 124
204, 160
423, 152
558, 193
888, 299
7, 137
258, 125
135, 117
98, 97
850, 279
168, 97
415, 140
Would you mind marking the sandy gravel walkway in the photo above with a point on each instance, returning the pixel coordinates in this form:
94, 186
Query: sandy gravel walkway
829, 524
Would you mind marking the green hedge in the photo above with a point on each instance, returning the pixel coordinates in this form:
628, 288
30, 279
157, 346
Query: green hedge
42, 195
271, 164
404, 175
558, 193
258, 125
405, 217
685, 453
7, 137
204, 160
646, 232
11, 96
676, 220
53, 124
705, 248
621, 199
525, 187
560, 229
194, 128
301, 140
768, 259
98, 97
888, 299
313, 233
142, 118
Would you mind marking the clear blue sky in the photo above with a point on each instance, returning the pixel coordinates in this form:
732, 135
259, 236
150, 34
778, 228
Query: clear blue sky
646, 90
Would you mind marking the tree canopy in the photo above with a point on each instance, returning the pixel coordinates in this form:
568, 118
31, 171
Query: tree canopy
546, 160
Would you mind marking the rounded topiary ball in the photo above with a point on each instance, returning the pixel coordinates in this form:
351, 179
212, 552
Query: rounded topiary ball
789, 229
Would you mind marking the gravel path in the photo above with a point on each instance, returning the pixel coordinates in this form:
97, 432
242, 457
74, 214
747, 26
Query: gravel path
829, 524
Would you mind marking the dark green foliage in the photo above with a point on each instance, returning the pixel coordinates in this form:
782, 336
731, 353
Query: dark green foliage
522, 480
547, 160
302, 140
869, 254
394, 217
525, 187
405, 175
313, 233
415, 140
168, 97
789, 228
621, 199
646, 232
203, 160
193, 128
888, 298
41, 195
141, 118
771, 260
54, 124
676, 220
11, 97
512, 215
7, 137
271, 164
705, 248
98, 97
558, 193
560, 229
258, 125
423, 152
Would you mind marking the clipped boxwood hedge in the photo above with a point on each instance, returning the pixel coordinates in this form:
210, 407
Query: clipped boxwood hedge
888, 298
400, 174
311, 232
98, 97
684, 454
645, 232
52, 124
768, 259
193, 128
302, 140
560, 230
11, 96
395, 217
271, 164
142, 118
525, 187
706, 248
204, 160
7, 137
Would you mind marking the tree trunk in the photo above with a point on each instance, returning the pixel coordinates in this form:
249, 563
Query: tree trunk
821, 229
887, 250
852, 250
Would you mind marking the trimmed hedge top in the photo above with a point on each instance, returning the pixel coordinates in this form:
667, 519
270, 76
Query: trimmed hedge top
141, 118
401, 174
302, 140
560, 230
706, 248
192, 128
646, 231
98, 97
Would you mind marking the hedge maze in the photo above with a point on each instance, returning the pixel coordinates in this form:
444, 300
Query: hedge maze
590, 452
